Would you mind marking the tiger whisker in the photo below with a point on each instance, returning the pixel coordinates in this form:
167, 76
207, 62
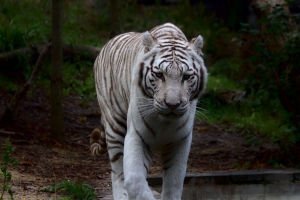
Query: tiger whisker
201, 112
145, 99
153, 114
146, 106
149, 113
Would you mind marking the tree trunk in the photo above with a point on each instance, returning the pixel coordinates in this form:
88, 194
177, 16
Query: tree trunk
116, 17
56, 99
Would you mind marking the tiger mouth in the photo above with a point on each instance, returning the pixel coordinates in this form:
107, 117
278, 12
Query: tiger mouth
171, 114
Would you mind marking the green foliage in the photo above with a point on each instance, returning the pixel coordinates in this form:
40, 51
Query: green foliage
90, 25
277, 68
79, 24
243, 166
253, 117
7, 160
11, 38
276, 163
6, 83
79, 191
79, 83
191, 20
25, 23
18, 31
225, 71
78, 78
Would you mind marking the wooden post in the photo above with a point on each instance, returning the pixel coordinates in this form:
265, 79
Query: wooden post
56, 99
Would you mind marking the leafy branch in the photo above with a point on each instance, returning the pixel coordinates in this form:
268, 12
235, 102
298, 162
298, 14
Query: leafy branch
276, 61
7, 160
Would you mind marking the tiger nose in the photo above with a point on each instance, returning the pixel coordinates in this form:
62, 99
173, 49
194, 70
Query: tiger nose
172, 106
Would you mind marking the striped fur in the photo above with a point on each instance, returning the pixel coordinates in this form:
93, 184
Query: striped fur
148, 85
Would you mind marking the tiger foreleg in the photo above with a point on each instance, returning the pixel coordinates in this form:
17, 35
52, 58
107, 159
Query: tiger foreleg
117, 178
174, 159
137, 160
115, 151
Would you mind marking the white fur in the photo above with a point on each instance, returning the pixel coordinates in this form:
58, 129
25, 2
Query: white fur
169, 127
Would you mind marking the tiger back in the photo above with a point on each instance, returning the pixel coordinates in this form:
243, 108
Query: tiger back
147, 86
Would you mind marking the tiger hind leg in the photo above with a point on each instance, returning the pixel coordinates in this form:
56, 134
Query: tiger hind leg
115, 146
98, 146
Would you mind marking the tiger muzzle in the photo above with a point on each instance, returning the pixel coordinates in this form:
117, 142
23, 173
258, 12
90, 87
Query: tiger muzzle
172, 106
172, 98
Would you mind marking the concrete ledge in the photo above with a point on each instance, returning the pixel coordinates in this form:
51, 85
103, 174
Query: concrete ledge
247, 177
238, 177
236, 185
279, 175
297, 176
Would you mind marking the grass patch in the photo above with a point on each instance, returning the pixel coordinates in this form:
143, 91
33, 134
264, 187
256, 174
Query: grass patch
79, 79
255, 116
79, 191
215, 82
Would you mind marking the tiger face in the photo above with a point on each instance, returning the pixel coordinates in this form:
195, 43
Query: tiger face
172, 75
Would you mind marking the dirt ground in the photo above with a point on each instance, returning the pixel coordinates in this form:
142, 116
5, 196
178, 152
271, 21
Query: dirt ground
43, 162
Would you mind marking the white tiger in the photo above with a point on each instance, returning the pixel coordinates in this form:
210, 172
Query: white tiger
147, 86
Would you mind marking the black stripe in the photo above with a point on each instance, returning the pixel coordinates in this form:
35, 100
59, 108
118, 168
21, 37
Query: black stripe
141, 77
180, 56
152, 61
143, 141
144, 86
141, 73
148, 127
114, 147
171, 45
115, 130
156, 29
194, 66
116, 39
166, 161
121, 174
201, 79
146, 167
200, 85
116, 157
163, 35
109, 135
164, 50
121, 123
116, 102
114, 142
168, 55
165, 168
183, 52
169, 37
166, 153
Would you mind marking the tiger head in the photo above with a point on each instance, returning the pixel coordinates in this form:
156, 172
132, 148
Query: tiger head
172, 74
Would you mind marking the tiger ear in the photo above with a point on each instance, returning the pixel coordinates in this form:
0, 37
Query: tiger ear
197, 44
148, 41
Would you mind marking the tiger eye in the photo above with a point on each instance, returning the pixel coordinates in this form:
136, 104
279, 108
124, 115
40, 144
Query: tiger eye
159, 75
186, 77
